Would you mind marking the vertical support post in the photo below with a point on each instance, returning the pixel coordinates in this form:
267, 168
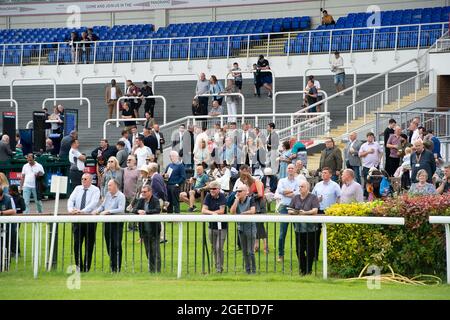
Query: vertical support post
57, 58
288, 49
386, 86
373, 46
365, 111
292, 124
21, 59
325, 251
418, 39
208, 53
351, 46
113, 54
180, 248
248, 50
398, 97
228, 52
396, 43
151, 56
268, 44
40, 56
95, 55
36, 250
447, 245
309, 48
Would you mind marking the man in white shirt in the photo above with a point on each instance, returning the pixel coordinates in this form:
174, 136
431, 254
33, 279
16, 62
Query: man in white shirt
370, 153
337, 67
30, 172
141, 151
351, 191
77, 161
83, 200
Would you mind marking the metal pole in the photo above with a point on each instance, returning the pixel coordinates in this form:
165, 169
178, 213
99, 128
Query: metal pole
447, 245
36, 250
325, 251
55, 213
180, 249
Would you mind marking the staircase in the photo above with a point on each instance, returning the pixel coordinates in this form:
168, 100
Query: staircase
341, 131
258, 47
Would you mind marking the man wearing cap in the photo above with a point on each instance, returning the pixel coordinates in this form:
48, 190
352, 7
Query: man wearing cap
270, 183
147, 91
112, 94
243, 204
214, 204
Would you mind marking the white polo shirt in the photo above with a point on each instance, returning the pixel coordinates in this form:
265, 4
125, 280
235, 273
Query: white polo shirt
29, 173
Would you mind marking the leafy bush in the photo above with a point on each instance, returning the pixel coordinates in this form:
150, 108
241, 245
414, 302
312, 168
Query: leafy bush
413, 249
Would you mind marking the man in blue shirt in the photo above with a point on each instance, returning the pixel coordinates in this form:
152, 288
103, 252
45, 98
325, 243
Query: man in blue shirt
176, 175
198, 181
114, 203
287, 188
328, 192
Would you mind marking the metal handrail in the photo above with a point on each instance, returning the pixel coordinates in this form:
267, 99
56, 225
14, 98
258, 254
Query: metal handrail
224, 94
73, 99
317, 69
11, 93
446, 222
253, 71
378, 93
157, 75
323, 219
102, 77
149, 97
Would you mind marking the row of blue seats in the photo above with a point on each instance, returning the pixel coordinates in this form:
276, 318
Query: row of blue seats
363, 40
394, 17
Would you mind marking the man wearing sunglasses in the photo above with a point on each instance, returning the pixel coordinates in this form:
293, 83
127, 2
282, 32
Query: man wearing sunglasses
214, 204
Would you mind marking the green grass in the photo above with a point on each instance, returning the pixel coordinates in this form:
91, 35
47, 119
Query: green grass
273, 281
144, 286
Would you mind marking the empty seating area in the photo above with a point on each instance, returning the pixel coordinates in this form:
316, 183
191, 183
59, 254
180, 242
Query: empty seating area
399, 29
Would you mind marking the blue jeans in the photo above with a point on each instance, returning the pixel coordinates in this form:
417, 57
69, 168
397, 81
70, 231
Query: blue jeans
27, 196
283, 232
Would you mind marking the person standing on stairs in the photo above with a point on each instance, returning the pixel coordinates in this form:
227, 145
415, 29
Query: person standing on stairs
337, 67
112, 94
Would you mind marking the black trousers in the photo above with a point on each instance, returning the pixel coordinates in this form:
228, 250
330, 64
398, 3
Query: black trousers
306, 249
391, 165
203, 102
84, 232
75, 178
150, 108
153, 251
113, 238
174, 199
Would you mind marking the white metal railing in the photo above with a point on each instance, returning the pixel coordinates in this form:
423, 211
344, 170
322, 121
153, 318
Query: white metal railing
16, 105
313, 126
282, 120
307, 109
324, 220
442, 45
319, 69
224, 46
254, 71
446, 222
395, 93
72, 99
11, 86
159, 75
149, 97
224, 94
102, 77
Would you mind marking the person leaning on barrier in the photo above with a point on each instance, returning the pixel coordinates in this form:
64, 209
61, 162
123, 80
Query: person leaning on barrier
7, 208
83, 200
214, 204
243, 204
150, 231
306, 242
20, 208
114, 203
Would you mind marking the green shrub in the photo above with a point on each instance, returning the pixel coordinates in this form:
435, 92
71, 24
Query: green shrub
413, 249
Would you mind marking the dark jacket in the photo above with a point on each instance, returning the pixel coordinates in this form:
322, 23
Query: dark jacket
426, 161
333, 160
161, 142
151, 142
19, 203
108, 152
273, 183
159, 187
5, 152
149, 228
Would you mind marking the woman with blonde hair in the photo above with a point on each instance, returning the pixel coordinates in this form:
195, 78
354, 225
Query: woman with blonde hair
4, 184
112, 171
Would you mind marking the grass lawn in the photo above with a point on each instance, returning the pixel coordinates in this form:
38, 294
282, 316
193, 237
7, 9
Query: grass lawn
273, 281
143, 286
